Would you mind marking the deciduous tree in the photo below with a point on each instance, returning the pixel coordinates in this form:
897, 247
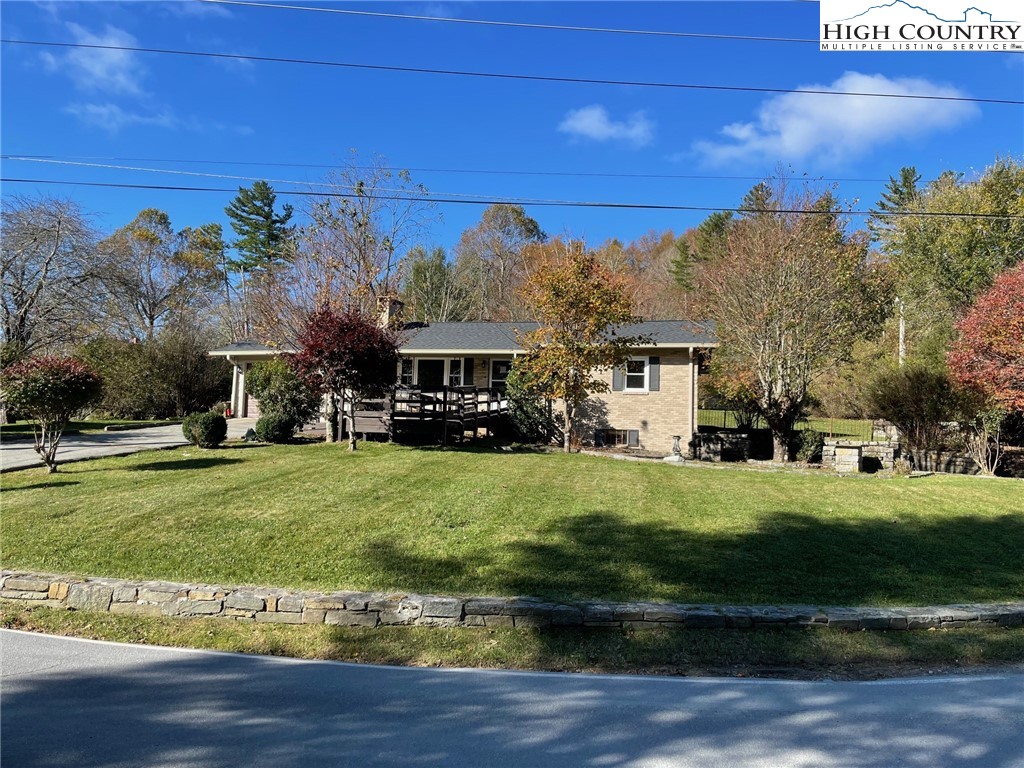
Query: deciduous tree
790, 291
50, 390
346, 355
432, 291
491, 264
579, 304
988, 355
47, 270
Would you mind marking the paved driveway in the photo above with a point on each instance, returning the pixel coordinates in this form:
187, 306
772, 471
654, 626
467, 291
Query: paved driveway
18, 454
81, 703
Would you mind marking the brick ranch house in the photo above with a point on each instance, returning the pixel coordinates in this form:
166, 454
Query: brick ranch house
650, 400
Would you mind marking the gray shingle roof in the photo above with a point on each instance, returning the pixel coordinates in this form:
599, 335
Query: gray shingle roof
502, 337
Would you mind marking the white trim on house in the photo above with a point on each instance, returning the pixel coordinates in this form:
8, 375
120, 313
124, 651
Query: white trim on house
519, 351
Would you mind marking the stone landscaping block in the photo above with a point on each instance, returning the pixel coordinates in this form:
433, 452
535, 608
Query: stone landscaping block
498, 621
245, 601
210, 593
193, 607
279, 618
358, 601
608, 624
149, 595
289, 604
597, 612
397, 612
125, 594
58, 590
665, 613
325, 603
532, 621
271, 602
485, 606
526, 607
27, 584
566, 616
89, 597
239, 613
313, 615
442, 607
876, 621
923, 621
438, 621
13, 595
347, 618
137, 609
704, 620
474, 620
628, 612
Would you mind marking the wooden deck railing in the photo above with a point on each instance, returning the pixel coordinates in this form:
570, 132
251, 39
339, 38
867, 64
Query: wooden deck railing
447, 412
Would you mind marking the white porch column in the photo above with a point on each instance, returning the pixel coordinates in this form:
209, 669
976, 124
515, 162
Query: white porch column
234, 387
243, 399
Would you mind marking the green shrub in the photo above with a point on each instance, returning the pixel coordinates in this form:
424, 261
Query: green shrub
279, 390
529, 413
206, 430
275, 427
809, 443
920, 401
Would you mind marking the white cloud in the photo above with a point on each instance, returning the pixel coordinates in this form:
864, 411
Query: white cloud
112, 118
100, 70
800, 126
594, 123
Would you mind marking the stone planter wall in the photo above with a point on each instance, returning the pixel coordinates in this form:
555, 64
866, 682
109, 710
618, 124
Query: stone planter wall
370, 609
721, 446
871, 456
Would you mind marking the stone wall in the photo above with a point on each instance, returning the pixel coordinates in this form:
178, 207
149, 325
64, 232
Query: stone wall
720, 446
370, 609
859, 455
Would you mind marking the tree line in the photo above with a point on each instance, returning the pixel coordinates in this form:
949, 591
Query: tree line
809, 310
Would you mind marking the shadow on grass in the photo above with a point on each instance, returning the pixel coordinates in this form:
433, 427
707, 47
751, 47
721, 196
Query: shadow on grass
789, 558
34, 486
201, 462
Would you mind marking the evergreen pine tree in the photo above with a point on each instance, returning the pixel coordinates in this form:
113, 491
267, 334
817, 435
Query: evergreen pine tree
264, 237
899, 195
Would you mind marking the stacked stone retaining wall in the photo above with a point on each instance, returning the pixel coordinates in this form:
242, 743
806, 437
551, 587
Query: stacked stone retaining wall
372, 609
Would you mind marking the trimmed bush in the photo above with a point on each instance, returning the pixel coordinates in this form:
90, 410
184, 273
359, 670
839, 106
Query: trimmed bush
275, 428
809, 443
206, 430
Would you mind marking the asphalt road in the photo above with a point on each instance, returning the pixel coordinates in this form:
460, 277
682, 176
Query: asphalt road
79, 703
19, 454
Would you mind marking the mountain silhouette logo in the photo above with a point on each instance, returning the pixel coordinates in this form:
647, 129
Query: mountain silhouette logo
903, 6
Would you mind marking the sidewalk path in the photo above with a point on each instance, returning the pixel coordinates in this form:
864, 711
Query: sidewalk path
18, 454
86, 703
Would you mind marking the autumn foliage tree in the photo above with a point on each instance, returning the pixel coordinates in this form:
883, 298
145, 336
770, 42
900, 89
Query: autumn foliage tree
579, 305
989, 353
790, 292
346, 356
50, 391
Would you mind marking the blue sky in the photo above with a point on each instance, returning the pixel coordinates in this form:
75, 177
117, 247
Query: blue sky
65, 102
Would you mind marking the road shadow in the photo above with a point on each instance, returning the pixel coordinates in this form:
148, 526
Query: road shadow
225, 710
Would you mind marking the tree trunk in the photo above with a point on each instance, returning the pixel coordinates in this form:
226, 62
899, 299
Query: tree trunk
351, 422
567, 428
780, 446
331, 433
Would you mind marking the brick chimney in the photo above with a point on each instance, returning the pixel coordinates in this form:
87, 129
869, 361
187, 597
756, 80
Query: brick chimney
389, 311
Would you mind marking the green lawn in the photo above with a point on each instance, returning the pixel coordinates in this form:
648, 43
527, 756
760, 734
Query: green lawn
493, 522
23, 429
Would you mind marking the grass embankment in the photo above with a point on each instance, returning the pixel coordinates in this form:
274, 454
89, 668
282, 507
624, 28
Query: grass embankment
784, 653
490, 522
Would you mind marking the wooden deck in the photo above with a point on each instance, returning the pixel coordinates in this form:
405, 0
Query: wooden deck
445, 416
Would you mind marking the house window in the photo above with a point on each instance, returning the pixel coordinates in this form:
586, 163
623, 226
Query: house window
499, 373
405, 378
455, 372
618, 438
636, 375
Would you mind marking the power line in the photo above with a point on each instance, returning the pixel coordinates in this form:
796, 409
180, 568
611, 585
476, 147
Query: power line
505, 76
542, 204
470, 171
516, 24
